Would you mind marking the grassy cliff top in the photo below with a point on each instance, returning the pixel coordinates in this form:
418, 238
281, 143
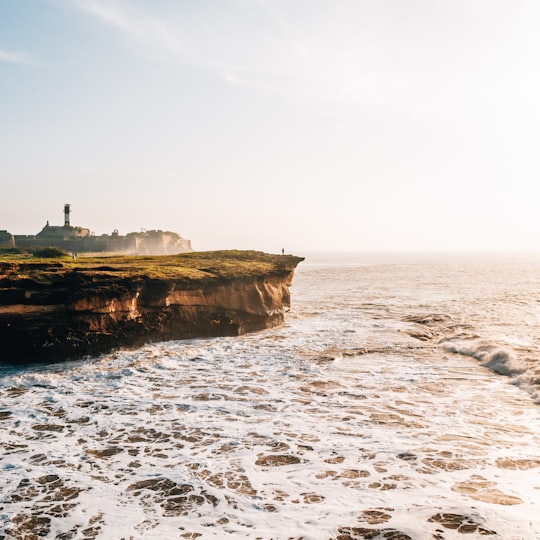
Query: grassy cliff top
195, 266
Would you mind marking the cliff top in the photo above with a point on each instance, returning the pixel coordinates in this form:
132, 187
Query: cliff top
186, 267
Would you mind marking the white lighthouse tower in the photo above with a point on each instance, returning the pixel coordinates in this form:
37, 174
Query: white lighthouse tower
66, 214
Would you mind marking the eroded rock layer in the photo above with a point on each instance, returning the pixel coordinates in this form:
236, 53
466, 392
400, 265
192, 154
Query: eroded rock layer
71, 312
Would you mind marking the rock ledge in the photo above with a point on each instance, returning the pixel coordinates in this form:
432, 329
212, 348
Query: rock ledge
54, 310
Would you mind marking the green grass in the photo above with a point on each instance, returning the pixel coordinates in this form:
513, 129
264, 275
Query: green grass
195, 266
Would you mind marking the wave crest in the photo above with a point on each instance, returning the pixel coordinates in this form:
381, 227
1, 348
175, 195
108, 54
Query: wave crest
498, 359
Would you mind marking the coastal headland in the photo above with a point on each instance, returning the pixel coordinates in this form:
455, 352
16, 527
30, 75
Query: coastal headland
82, 240
52, 309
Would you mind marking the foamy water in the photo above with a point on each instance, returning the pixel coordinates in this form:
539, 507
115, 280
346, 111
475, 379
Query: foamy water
377, 411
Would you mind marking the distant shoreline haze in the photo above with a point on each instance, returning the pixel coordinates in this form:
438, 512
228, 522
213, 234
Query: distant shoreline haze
81, 240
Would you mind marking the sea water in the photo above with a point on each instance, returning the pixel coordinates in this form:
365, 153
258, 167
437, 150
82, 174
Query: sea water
401, 399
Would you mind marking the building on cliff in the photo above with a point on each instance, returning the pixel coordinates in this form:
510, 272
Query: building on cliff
82, 240
6, 240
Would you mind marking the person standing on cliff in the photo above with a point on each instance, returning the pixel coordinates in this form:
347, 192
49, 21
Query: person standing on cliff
283, 251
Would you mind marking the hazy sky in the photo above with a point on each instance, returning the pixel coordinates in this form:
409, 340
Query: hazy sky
304, 124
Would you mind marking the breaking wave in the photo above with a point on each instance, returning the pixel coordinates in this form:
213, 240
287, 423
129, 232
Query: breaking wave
500, 360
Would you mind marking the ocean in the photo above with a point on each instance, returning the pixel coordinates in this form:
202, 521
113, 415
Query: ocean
400, 400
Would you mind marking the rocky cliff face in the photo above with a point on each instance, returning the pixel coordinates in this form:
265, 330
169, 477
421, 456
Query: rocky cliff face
77, 312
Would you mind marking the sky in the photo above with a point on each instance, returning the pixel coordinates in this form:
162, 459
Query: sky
309, 125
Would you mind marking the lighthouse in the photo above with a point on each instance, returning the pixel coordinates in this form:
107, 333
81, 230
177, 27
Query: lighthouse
66, 215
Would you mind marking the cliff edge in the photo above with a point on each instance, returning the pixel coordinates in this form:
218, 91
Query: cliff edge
52, 310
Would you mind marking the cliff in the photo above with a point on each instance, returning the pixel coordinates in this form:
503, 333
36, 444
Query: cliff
52, 310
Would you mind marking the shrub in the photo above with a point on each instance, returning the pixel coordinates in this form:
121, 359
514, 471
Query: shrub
50, 252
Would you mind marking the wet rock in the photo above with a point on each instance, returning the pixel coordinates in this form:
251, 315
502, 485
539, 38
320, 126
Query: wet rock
175, 499
355, 533
277, 460
106, 452
462, 524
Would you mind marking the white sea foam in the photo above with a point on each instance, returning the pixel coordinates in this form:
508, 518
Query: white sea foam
339, 423
500, 360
